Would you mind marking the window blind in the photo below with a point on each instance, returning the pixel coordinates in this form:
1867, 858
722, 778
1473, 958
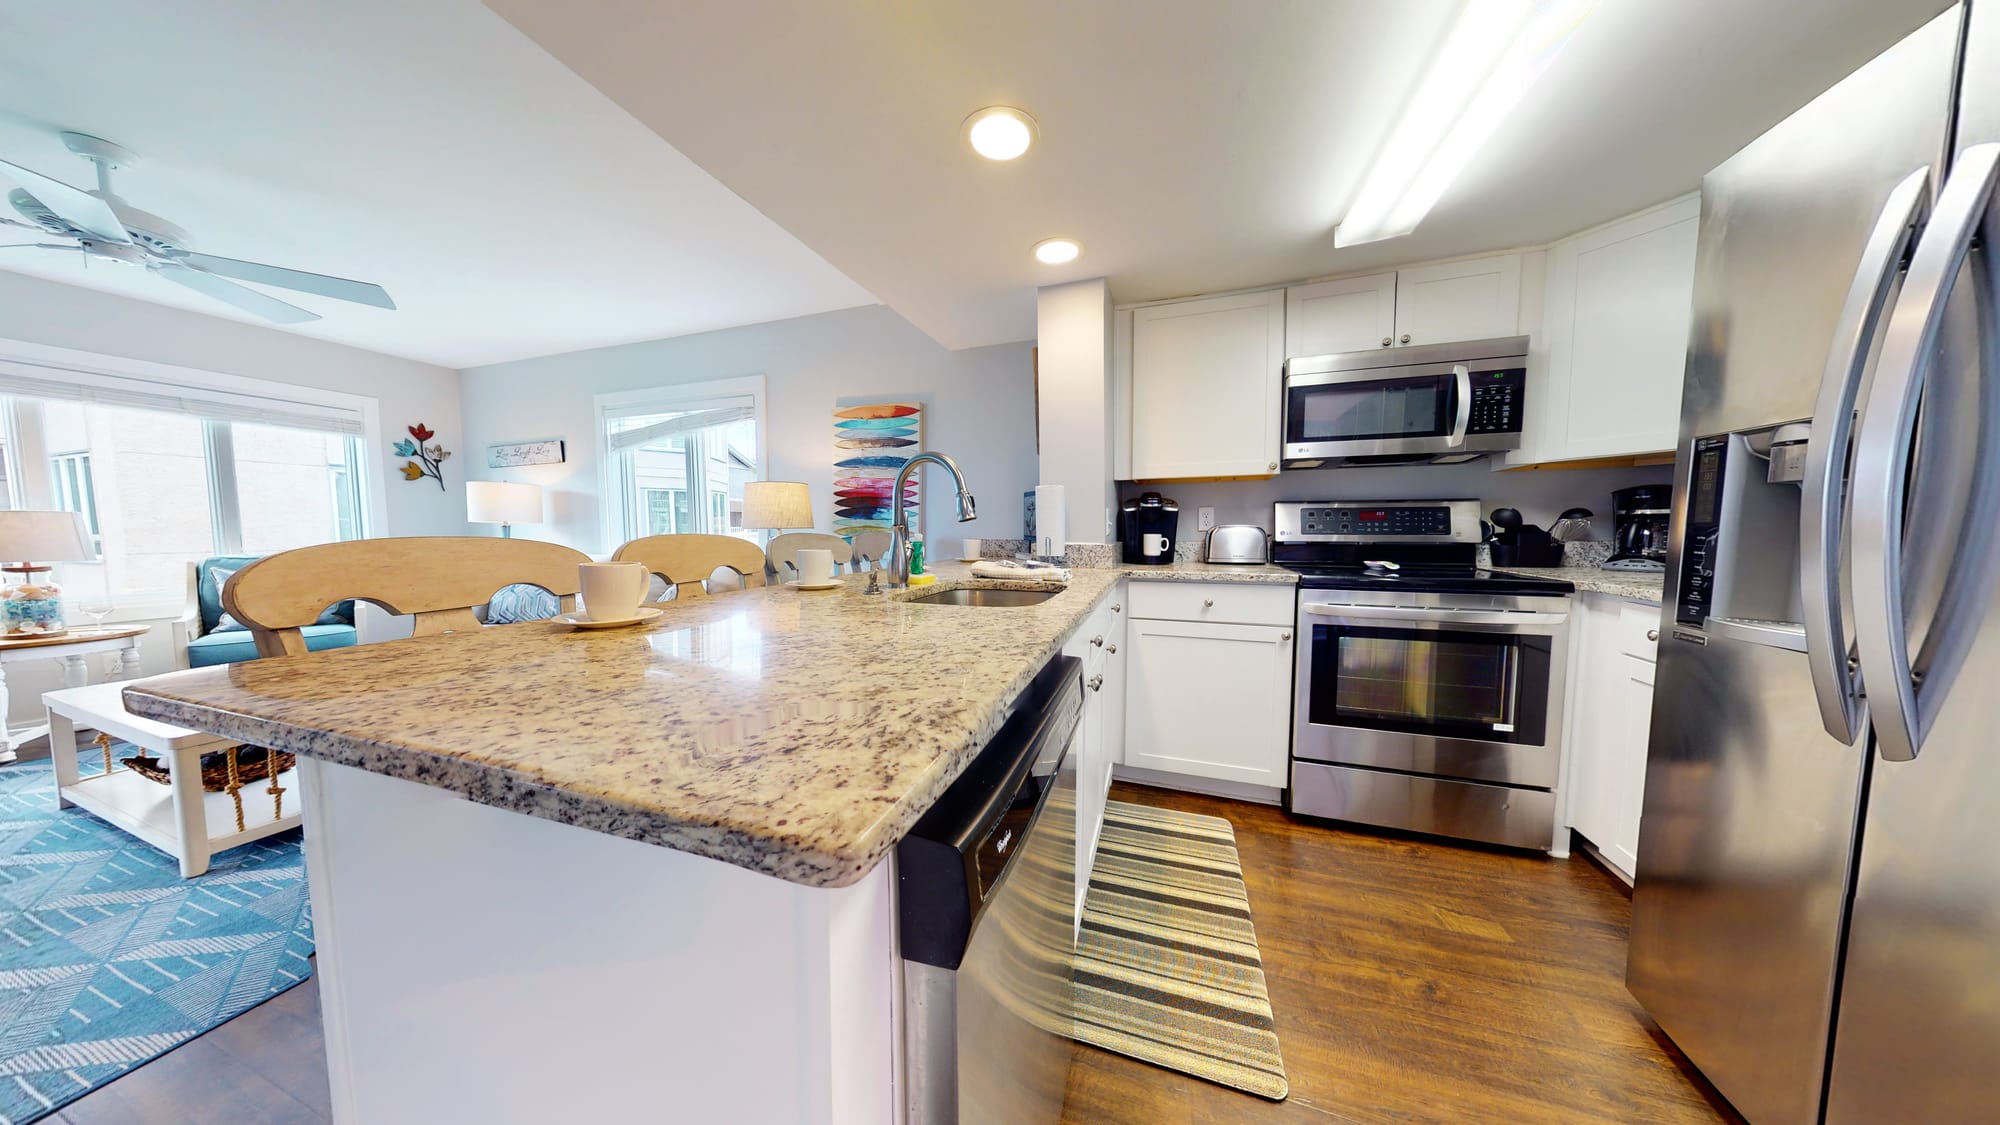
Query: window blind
28, 380
674, 427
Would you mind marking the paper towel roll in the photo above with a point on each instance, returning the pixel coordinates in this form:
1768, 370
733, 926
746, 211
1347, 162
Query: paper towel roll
1051, 521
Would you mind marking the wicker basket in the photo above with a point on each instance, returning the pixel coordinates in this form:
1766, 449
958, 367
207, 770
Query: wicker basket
252, 764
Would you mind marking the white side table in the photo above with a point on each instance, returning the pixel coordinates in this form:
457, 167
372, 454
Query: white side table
71, 648
179, 819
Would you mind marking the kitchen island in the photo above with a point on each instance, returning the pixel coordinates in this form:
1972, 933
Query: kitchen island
629, 874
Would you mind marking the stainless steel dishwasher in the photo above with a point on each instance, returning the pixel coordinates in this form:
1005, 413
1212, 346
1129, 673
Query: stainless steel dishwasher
986, 887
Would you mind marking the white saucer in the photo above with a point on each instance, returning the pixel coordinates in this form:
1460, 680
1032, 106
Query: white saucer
646, 613
833, 584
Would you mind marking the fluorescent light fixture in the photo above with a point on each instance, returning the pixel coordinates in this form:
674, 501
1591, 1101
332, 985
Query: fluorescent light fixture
1056, 251
1495, 52
1000, 132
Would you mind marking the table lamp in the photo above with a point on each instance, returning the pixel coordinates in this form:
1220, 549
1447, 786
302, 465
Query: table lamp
34, 608
504, 503
774, 505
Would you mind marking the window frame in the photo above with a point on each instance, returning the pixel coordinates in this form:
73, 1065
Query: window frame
623, 517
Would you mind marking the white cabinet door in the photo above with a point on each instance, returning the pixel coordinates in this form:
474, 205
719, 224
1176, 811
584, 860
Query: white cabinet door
1347, 315
1117, 659
1612, 724
1615, 329
1206, 378
1209, 700
1471, 300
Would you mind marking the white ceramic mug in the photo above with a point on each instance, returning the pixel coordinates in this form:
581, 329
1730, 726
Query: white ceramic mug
815, 566
613, 591
971, 550
1153, 546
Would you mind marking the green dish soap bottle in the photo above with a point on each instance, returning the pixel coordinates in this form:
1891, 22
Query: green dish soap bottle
916, 553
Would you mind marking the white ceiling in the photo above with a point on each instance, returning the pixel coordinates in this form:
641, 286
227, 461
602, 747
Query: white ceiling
1191, 145
510, 208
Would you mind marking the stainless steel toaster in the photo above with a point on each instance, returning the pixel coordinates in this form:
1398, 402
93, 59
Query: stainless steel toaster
1236, 543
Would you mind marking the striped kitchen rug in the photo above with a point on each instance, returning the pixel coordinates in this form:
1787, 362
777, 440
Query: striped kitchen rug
1167, 968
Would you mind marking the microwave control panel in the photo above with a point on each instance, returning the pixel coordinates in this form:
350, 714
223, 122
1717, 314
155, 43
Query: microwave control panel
1496, 401
1704, 520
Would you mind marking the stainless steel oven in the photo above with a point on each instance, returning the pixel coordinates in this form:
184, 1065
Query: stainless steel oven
1439, 402
1434, 711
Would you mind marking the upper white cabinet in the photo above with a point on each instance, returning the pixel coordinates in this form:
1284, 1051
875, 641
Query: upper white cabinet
1206, 378
1345, 315
1614, 339
1476, 299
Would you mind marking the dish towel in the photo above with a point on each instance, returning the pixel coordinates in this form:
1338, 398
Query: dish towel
1017, 570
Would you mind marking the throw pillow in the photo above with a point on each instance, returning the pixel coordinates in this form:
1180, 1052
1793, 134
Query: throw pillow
521, 602
226, 624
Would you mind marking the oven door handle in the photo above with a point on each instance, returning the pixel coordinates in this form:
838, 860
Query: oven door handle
1464, 420
1423, 617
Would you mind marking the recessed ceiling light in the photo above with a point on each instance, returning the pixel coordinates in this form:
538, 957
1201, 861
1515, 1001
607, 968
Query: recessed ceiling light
1056, 251
1000, 132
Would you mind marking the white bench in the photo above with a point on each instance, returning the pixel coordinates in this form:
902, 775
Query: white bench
179, 819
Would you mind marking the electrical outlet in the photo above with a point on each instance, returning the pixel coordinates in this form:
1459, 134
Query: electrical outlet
1204, 518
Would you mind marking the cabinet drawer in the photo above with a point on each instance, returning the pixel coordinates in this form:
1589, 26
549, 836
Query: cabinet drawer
1638, 631
1213, 601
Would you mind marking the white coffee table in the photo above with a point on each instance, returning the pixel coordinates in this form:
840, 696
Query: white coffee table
72, 648
179, 819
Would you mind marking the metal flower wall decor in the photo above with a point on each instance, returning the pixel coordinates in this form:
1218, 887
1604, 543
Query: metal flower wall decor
429, 460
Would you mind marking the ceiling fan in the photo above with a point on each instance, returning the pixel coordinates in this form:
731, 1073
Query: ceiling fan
104, 227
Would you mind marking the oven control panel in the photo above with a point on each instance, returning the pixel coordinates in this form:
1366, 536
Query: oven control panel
1349, 521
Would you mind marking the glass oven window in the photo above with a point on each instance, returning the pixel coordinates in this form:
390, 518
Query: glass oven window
1389, 408
1486, 686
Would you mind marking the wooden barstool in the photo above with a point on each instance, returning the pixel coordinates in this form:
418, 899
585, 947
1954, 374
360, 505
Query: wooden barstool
783, 552
687, 562
438, 580
872, 547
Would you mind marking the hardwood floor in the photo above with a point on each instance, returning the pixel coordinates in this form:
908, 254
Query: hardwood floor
1415, 981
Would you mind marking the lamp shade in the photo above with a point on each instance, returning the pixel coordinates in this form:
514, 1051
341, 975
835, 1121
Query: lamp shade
776, 504
495, 501
45, 537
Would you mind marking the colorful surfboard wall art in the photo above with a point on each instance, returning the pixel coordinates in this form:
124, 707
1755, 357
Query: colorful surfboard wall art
871, 443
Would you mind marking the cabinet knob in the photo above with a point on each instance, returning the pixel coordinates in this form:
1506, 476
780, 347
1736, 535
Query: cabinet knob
1112, 649
1208, 603
1097, 683
1274, 466
1406, 337
1285, 636
1116, 607
1097, 641
1652, 634
1386, 341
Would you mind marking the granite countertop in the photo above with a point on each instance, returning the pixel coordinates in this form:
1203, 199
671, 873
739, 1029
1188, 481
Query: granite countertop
793, 733
1640, 585
1261, 573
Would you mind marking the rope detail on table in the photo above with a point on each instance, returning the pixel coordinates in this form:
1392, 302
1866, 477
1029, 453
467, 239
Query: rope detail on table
104, 743
235, 787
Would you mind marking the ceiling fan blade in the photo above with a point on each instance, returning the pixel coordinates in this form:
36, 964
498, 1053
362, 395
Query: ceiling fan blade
85, 210
249, 300
360, 292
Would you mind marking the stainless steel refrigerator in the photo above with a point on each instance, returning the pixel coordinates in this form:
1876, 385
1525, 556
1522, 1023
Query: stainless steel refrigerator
1817, 916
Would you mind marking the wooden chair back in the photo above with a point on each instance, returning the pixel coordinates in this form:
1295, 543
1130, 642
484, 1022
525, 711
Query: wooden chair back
872, 547
686, 562
783, 551
438, 580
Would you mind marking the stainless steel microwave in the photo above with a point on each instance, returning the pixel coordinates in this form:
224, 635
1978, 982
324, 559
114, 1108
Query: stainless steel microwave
1436, 402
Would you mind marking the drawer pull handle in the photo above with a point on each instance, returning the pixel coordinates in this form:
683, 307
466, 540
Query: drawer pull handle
1208, 603
1097, 683
1116, 607
1112, 649
1097, 641
1652, 634
1285, 636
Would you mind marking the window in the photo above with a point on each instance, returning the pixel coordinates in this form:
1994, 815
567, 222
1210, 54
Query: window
74, 493
164, 475
678, 458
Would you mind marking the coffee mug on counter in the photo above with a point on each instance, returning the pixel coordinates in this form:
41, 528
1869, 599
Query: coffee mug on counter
613, 591
815, 566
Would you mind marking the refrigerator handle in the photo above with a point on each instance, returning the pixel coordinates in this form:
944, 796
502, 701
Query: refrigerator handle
1823, 508
1904, 696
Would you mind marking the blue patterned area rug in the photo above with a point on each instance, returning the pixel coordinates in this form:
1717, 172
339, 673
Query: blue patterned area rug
108, 958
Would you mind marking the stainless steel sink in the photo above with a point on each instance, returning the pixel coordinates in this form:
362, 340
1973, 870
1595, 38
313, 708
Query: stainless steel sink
986, 597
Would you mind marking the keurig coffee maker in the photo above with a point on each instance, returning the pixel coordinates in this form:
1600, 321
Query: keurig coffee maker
1151, 526
1639, 518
